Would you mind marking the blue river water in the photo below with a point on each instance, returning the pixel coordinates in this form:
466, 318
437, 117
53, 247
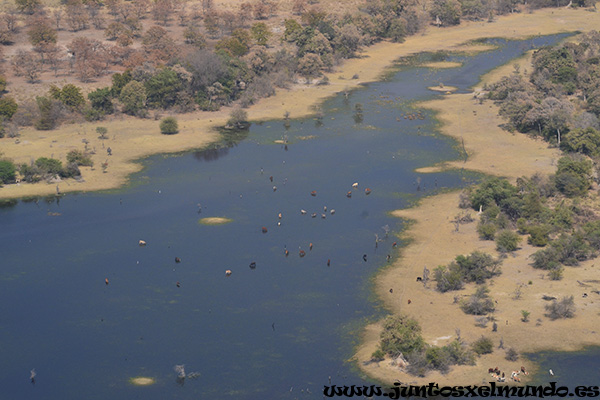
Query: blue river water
280, 330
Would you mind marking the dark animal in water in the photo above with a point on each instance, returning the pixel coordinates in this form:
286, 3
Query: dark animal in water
364, 257
177, 260
264, 230
328, 262
252, 265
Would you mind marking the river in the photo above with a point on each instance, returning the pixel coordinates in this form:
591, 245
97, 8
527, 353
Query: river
280, 330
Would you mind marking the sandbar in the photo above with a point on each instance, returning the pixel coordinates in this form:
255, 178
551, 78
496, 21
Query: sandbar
214, 221
142, 381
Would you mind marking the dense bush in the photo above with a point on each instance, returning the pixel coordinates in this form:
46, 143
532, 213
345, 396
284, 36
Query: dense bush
476, 267
169, 126
492, 191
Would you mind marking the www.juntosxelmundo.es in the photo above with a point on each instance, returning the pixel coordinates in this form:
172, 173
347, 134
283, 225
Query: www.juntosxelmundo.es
400, 390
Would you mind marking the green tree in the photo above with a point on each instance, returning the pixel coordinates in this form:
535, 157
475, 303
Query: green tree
7, 171
49, 113
401, 334
233, 45
292, 30
133, 97
49, 166
573, 176
119, 81
261, 33
101, 100
507, 241
492, 191
8, 107
169, 126
585, 141
162, 88
70, 95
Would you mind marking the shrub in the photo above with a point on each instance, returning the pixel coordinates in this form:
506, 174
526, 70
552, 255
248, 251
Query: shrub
102, 131
459, 353
479, 303
571, 249
545, 259
438, 358
378, 355
565, 308
78, 157
512, 355
507, 241
30, 173
592, 234
49, 166
477, 266
486, 231
556, 274
169, 126
483, 345
492, 191
573, 175
525, 315
8, 107
238, 118
448, 278
401, 334
7, 171
538, 235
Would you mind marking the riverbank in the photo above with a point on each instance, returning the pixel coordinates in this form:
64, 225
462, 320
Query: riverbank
131, 139
435, 242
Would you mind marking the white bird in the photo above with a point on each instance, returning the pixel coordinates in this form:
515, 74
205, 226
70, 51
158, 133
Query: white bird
355, 185
551, 373
302, 212
332, 211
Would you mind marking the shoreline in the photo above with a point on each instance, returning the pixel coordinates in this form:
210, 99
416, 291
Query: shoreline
133, 139
434, 242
